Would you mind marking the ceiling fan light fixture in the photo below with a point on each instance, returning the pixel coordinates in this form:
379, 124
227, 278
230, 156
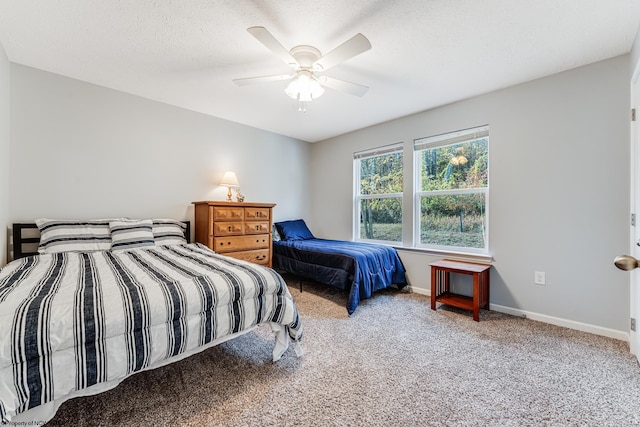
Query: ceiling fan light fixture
305, 87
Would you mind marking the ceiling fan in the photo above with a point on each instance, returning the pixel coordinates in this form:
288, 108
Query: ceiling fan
307, 63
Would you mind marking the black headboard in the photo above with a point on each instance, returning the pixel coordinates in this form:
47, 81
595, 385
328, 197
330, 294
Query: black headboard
19, 241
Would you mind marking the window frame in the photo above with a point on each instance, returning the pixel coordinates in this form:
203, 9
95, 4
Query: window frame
438, 141
358, 197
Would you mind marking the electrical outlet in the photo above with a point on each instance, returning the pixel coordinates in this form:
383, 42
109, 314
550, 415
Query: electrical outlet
538, 277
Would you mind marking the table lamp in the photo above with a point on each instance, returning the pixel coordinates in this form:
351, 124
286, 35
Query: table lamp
230, 181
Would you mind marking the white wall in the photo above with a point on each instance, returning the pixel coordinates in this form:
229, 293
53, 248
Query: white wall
559, 191
86, 151
4, 153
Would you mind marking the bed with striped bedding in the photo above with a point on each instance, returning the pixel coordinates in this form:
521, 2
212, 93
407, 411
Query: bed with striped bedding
78, 323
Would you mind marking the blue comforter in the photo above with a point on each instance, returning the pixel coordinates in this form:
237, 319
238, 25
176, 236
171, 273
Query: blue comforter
361, 268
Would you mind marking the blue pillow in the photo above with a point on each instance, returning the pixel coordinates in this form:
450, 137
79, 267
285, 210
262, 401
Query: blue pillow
294, 230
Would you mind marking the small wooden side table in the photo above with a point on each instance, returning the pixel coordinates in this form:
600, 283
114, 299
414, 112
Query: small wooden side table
440, 283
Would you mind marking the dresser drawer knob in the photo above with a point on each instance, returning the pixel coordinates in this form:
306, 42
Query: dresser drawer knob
229, 228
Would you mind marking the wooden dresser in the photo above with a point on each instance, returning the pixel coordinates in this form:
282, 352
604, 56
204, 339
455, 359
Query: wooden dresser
237, 229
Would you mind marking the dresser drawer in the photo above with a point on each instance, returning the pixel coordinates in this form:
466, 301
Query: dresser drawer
257, 213
240, 243
228, 228
256, 227
227, 214
258, 256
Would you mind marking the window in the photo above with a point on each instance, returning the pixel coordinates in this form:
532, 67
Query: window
452, 191
378, 182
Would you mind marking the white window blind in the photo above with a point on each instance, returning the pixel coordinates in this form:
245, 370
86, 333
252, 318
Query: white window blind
451, 138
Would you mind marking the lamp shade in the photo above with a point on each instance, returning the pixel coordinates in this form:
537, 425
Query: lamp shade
229, 179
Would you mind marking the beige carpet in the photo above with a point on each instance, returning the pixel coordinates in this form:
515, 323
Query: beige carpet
395, 362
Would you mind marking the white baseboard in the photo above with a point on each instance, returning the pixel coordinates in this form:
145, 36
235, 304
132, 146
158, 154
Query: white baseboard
578, 326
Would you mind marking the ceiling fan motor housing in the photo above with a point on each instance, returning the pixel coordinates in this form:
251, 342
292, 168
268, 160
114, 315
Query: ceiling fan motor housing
306, 57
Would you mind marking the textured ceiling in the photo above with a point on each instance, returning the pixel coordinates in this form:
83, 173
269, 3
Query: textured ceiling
425, 53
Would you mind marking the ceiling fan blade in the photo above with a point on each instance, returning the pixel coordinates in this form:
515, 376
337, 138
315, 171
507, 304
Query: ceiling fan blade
267, 39
263, 79
352, 47
344, 86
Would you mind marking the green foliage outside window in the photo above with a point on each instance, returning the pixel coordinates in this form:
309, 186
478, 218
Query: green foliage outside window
439, 173
381, 217
381, 174
454, 219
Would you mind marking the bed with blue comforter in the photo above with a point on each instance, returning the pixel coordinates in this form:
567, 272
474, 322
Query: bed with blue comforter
360, 268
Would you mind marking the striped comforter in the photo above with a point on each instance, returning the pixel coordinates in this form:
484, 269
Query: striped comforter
72, 320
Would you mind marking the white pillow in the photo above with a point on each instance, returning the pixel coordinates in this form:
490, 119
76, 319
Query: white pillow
169, 232
73, 235
131, 234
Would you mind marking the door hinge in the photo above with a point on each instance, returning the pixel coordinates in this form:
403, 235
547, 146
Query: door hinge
633, 324
633, 220
633, 114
